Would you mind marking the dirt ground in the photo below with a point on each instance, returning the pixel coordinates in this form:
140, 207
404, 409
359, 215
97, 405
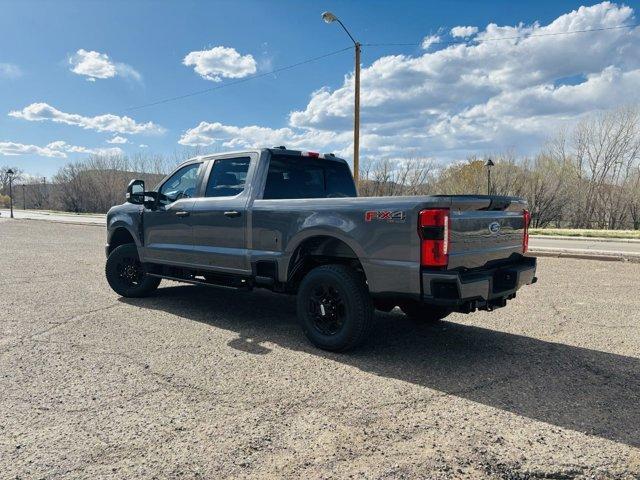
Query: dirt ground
197, 382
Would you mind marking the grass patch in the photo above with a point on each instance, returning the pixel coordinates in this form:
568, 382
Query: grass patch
575, 232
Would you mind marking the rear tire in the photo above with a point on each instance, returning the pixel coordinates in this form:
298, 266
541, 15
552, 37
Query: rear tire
334, 308
126, 275
423, 312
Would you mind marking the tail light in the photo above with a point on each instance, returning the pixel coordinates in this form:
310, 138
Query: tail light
433, 228
525, 239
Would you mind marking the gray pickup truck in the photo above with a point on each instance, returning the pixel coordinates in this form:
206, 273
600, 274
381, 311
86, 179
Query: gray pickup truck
292, 222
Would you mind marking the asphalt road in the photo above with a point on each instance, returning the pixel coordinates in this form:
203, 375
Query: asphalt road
196, 382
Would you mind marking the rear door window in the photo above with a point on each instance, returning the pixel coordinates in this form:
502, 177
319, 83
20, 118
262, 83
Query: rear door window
300, 177
227, 177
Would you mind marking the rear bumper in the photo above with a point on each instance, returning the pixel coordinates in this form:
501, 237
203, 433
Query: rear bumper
478, 289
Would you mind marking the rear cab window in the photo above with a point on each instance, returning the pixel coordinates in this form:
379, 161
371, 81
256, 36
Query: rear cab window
292, 177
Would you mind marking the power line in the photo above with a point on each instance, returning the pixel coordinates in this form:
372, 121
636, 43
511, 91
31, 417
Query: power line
456, 42
236, 82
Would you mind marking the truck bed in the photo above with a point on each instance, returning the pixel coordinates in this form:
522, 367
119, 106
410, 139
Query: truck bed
383, 232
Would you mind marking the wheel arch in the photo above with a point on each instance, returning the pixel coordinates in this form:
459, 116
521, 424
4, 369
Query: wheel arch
319, 248
120, 235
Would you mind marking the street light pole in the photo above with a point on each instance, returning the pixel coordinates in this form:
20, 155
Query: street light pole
10, 175
329, 17
489, 163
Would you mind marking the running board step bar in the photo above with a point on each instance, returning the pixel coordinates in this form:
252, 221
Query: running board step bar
243, 284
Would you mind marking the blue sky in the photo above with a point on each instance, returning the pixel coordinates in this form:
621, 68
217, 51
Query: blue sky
442, 102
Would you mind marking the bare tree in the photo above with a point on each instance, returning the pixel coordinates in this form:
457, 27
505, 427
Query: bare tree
631, 190
463, 178
401, 177
4, 177
38, 194
606, 152
588, 177
99, 182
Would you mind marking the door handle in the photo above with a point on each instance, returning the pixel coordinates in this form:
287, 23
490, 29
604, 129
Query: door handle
182, 214
232, 214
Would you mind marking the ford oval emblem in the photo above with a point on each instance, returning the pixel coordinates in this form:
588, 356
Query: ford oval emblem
494, 227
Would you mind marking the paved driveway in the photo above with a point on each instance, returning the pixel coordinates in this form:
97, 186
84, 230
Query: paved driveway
205, 383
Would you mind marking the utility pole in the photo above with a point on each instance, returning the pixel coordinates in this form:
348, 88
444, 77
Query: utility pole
356, 119
329, 17
10, 175
24, 199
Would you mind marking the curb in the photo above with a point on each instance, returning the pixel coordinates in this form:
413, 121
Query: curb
585, 239
601, 255
64, 222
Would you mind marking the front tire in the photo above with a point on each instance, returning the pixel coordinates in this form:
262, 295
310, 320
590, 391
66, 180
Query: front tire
334, 308
126, 275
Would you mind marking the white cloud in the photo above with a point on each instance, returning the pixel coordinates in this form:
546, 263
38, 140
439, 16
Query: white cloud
143, 145
57, 149
112, 151
429, 40
220, 62
92, 64
11, 148
229, 136
117, 139
485, 96
62, 146
38, 112
466, 99
95, 65
463, 32
9, 70
127, 71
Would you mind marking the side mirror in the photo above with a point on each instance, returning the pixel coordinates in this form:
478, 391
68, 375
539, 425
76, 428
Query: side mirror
135, 192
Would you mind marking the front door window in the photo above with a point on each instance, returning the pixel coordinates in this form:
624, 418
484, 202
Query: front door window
182, 184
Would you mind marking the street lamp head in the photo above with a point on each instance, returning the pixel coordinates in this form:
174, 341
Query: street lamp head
489, 163
10, 172
329, 17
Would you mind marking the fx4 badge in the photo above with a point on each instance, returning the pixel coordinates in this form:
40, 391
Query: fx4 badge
385, 215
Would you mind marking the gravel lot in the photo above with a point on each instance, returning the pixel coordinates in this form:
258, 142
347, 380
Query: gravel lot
197, 382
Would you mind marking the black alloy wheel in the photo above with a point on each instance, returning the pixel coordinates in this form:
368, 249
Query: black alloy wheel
334, 307
327, 308
126, 275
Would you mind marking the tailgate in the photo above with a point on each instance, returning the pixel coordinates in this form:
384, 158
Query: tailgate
484, 229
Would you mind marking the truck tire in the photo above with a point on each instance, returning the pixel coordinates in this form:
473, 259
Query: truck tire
126, 275
424, 312
334, 308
